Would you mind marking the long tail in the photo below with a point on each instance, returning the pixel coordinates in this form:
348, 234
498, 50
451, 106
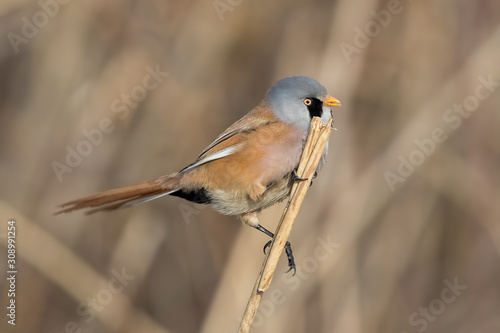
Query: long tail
126, 196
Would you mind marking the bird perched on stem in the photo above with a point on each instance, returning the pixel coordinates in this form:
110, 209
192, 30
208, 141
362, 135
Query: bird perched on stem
249, 167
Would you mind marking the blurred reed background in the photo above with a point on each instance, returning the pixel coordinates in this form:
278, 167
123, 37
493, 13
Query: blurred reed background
400, 232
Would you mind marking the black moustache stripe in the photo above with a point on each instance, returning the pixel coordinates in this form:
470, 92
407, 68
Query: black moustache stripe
316, 107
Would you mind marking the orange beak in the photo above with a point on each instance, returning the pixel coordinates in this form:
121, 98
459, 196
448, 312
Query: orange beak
331, 101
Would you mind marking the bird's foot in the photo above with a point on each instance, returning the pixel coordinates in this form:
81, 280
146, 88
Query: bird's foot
289, 255
291, 260
296, 178
314, 177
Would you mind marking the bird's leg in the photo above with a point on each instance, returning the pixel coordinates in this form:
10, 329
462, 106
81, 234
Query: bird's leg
288, 248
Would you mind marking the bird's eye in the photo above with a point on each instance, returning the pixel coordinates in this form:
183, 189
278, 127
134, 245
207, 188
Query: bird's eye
307, 101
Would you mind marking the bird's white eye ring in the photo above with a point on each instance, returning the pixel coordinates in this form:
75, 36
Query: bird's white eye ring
307, 101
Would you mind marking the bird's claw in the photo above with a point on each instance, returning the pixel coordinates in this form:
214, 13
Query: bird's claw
289, 255
314, 177
291, 260
268, 244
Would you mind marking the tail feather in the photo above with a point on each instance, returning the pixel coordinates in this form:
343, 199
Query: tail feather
128, 202
123, 197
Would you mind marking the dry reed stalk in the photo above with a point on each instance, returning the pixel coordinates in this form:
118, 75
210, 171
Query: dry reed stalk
311, 155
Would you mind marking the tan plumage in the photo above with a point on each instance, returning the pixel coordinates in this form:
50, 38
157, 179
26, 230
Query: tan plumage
260, 138
249, 167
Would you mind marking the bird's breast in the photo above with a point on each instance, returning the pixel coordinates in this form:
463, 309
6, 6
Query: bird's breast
259, 175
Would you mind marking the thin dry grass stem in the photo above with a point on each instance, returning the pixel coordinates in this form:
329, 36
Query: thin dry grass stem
313, 149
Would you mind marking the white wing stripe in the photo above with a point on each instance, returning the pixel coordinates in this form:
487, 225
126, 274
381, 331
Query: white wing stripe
220, 154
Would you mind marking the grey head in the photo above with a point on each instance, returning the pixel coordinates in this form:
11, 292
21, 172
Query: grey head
297, 99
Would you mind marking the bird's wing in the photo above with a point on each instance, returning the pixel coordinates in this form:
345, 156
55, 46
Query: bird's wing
233, 138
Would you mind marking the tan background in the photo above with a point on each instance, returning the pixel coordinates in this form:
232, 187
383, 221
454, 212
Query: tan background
192, 270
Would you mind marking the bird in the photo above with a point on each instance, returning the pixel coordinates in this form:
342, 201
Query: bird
249, 167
